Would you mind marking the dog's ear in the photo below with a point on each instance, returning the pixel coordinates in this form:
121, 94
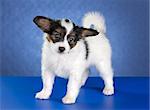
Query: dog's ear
43, 23
85, 32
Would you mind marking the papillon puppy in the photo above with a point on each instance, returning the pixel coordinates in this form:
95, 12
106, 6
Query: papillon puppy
69, 50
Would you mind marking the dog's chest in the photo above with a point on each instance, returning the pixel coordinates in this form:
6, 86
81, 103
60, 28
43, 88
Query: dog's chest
63, 66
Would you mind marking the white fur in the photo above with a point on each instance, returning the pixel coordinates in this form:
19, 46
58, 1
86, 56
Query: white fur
67, 25
96, 19
73, 64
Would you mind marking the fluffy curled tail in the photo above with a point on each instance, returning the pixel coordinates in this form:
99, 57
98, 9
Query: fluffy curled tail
94, 19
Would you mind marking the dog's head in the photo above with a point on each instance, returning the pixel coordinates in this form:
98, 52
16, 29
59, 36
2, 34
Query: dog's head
62, 33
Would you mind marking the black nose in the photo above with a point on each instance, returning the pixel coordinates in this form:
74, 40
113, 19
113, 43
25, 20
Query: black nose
61, 49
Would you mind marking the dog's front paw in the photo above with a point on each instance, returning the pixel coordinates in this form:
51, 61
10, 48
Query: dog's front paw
42, 95
68, 99
108, 91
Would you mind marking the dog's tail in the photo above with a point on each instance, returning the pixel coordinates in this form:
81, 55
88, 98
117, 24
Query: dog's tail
94, 20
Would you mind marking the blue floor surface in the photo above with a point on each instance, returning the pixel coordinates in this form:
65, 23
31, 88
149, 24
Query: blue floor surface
17, 93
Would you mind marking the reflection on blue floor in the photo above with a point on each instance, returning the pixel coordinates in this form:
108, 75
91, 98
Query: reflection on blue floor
131, 93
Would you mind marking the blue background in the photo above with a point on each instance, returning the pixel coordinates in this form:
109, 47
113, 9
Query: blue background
127, 28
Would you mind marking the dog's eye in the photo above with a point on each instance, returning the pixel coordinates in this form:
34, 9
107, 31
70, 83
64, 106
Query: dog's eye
56, 34
71, 39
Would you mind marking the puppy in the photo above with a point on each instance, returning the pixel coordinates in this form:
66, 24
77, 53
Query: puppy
68, 51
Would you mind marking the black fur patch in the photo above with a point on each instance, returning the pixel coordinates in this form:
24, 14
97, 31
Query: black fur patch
57, 32
67, 20
86, 49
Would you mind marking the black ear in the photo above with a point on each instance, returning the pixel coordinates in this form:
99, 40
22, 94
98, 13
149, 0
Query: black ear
43, 23
85, 32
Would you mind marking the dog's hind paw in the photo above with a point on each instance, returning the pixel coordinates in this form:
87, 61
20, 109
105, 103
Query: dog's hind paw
42, 95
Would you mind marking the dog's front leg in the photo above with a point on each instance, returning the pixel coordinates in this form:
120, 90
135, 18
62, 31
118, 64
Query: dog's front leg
48, 81
73, 88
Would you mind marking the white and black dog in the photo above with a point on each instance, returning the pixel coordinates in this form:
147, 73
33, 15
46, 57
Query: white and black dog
69, 50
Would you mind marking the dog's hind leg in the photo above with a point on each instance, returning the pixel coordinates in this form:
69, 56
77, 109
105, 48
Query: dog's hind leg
106, 71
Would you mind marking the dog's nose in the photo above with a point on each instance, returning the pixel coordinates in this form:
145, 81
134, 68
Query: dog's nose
61, 49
